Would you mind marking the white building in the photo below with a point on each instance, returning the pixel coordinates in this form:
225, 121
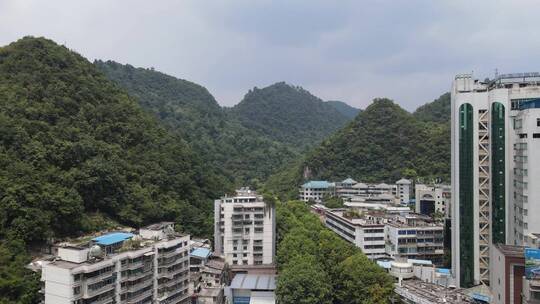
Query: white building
315, 191
432, 199
404, 188
121, 267
364, 231
495, 138
245, 229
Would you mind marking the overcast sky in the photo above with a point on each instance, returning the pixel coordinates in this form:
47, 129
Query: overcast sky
352, 51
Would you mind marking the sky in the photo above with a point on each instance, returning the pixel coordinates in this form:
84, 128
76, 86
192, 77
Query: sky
353, 51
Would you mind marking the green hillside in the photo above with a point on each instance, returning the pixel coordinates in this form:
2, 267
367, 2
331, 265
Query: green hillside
244, 155
289, 115
383, 143
77, 153
343, 108
435, 111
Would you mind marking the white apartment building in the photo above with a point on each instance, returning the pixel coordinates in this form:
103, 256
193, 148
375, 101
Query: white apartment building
314, 191
495, 138
415, 236
404, 188
388, 235
120, 267
365, 232
245, 229
432, 199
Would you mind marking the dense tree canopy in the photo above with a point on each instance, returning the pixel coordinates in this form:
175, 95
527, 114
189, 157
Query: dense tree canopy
435, 111
343, 108
73, 143
289, 115
245, 156
316, 266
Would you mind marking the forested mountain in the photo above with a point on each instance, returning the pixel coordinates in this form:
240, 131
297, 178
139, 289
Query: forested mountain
288, 114
435, 111
76, 152
244, 155
344, 108
383, 143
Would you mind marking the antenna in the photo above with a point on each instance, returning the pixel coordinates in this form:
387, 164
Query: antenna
496, 73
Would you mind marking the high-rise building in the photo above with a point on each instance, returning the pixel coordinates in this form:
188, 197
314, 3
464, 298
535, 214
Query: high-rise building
245, 229
494, 133
120, 267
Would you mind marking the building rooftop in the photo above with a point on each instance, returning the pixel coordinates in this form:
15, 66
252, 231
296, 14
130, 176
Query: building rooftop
349, 181
158, 226
403, 181
511, 250
420, 292
254, 281
202, 253
216, 263
209, 292
112, 238
317, 184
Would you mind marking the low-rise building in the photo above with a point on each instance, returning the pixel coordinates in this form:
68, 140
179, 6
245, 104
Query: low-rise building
403, 193
252, 288
363, 230
506, 273
419, 292
415, 236
120, 267
432, 199
315, 191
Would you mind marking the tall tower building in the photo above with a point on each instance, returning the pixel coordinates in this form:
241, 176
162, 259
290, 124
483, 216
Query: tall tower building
491, 150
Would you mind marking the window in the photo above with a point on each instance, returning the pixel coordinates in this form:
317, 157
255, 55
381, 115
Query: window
536, 135
77, 290
523, 135
538, 122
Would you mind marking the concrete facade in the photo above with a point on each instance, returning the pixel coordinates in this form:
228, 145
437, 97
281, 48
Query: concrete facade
245, 229
494, 159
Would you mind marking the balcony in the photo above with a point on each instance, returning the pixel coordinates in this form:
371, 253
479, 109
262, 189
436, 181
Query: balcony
140, 297
145, 283
98, 278
138, 275
171, 262
169, 254
170, 273
134, 265
97, 291
105, 300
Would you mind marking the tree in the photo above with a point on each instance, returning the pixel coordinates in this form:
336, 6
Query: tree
333, 201
302, 281
17, 284
362, 281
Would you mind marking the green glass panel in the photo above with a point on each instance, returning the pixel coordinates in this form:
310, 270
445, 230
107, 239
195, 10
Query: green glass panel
466, 195
498, 182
